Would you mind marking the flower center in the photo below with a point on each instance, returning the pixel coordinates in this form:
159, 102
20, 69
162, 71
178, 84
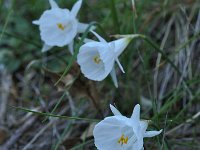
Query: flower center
97, 59
60, 26
123, 140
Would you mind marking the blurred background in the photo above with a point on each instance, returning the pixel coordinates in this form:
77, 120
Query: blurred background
169, 97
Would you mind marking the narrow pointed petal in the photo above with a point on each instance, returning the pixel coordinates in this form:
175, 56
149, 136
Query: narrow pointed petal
144, 125
71, 47
83, 26
121, 44
36, 22
136, 113
99, 37
76, 7
114, 77
115, 111
120, 66
46, 48
152, 133
53, 4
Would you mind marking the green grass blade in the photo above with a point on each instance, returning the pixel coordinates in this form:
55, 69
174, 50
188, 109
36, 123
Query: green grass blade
55, 116
56, 106
114, 15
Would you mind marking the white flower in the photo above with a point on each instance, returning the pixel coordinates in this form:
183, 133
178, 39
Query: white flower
97, 59
58, 27
121, 133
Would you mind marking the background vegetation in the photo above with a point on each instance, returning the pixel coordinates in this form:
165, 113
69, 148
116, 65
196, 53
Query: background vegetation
169, 96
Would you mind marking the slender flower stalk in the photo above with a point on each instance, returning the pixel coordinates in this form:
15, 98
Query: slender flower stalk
121, 133
133, 5
97, 58
58, 27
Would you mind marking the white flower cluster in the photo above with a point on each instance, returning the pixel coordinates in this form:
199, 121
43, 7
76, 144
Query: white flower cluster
59, 27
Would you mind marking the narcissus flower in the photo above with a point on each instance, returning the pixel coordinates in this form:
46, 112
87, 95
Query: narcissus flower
97, 58
121, 133
58, 27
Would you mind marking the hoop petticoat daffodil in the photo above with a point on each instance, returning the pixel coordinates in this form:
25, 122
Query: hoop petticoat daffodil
58, 27
97, 59
121, 133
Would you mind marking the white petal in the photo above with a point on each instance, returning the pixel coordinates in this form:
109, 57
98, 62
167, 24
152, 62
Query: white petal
108, 58
152, 133
46, 48
120, 66
143, 125
114, 77
108, 131
83, 26
135, 143
53, 4
115, 111
76, 7
51, 34
136, 113
71, 47
120, 45
36, 22
99, 37
140, 143
89, 68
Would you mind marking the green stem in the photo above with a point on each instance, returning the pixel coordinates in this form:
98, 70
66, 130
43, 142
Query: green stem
57, 104
150, 42
134, 17
56, 116
114, 15
6, 23
134, 24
